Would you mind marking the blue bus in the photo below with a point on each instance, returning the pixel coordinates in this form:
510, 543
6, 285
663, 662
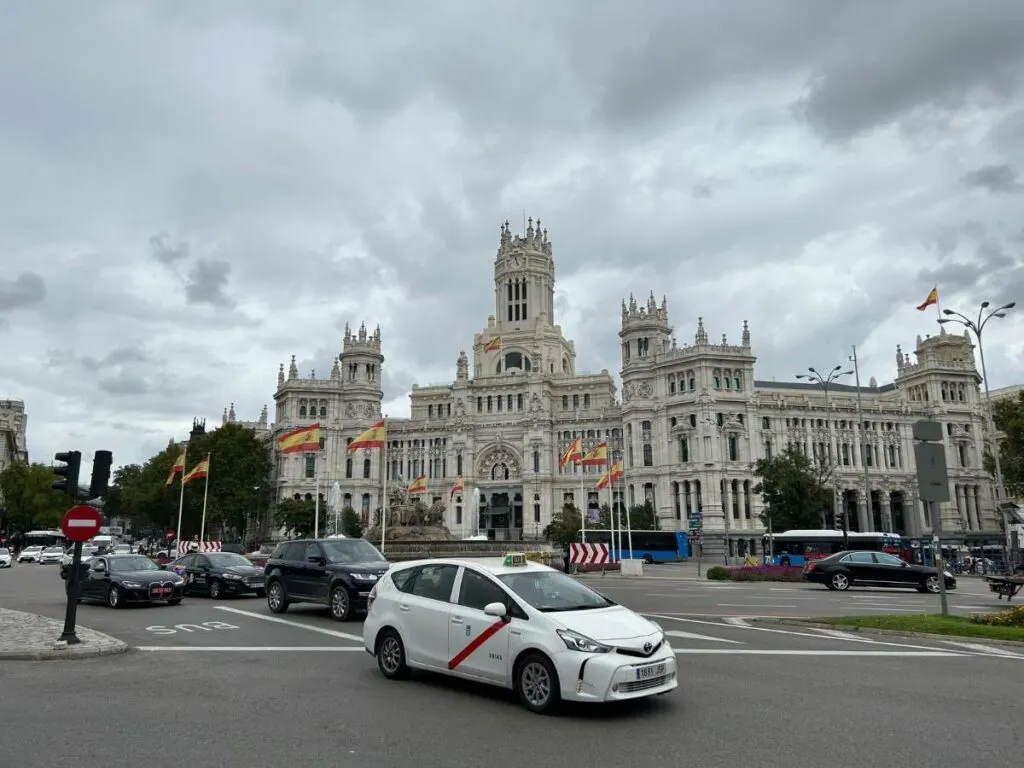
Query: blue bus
797, 547
649, 546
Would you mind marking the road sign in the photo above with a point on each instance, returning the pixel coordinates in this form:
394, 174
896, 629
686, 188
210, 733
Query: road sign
588, 554
169, 535
927, 431
81, 523
932, 478
696, 523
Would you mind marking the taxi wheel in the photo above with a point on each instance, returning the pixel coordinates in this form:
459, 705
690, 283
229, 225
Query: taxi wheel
391, 655
537, 684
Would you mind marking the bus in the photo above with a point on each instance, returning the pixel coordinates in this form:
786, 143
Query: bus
42, 538
649, 546
797, 547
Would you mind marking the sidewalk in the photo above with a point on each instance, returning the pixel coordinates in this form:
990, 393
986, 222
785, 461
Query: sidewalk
27, 636
665, 572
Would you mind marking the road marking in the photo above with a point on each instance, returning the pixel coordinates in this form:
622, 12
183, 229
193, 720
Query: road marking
287, 623
882, 607
775, 652
739, 622
245, 648
986, 650
752, 605
972, 607
694, 636
837, 634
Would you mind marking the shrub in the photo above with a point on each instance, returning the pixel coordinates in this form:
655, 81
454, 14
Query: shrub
718, 573
766, 573
1014, 617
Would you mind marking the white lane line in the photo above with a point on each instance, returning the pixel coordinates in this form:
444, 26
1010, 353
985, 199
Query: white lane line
287, 623
837, 634
752, 605
694, 636
973, 607
775, 652
883, 608
986, 650
738, 622
245, 648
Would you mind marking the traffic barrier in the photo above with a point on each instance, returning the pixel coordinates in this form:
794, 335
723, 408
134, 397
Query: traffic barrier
188, 547
588, 554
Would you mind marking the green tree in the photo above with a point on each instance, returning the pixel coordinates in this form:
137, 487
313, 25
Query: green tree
240, 467
28, 498
1008, 414
351, 525
296, 516
564, 526
116, 502
641, 518
794, 491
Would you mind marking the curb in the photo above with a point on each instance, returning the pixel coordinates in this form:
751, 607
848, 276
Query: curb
93, 645
890, 632
63, 652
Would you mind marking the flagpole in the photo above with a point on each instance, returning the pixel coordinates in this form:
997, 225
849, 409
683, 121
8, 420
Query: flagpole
583, 501
629, 533
611, 509
206, 490
384, 489
181, 499
938, 306
316, 497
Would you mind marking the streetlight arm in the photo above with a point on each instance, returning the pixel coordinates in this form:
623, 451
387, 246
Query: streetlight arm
960, 318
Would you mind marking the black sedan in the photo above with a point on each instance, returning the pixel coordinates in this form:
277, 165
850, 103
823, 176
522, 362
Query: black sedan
120, 579
218, 574
873, 569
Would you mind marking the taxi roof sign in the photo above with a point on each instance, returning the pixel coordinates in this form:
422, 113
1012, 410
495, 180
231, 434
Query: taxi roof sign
515, 559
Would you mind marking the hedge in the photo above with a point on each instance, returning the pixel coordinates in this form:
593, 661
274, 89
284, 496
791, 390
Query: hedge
755, 573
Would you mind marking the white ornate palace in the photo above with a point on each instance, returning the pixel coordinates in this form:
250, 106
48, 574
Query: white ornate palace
691, 423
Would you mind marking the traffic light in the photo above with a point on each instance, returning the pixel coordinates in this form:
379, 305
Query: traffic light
69, 485
101, 462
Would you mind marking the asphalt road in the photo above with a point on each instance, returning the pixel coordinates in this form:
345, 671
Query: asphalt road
227, 683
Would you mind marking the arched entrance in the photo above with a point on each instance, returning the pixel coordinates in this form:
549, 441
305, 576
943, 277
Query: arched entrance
501, 494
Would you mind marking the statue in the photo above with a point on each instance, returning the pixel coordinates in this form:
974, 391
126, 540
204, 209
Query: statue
409, 518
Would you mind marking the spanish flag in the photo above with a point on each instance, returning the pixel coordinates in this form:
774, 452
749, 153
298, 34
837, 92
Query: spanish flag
610, 476
573, 453
301, 440
179, 466
459, 486
419, 485
493, 345
596, 456
200, 470
371, 438
931, 299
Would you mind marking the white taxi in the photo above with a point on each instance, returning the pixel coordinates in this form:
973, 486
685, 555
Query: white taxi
516, 624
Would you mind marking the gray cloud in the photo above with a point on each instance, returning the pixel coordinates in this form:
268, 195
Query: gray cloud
26, 289
994, 178
812, 168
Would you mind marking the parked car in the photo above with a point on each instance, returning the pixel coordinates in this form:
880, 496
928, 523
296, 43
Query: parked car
873, 569
6, 558
338, 573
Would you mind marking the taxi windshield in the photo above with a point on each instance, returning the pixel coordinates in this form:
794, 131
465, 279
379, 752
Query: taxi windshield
351, 551
552, 591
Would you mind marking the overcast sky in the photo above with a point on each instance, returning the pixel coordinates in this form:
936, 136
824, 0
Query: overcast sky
190, 193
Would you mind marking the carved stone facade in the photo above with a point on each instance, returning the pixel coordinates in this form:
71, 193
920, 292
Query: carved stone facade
13, 426
692, 422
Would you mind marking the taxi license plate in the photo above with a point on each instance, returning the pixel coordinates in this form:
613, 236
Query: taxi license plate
651, 670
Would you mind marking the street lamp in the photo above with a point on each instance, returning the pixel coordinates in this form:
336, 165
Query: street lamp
826, 381
977, 326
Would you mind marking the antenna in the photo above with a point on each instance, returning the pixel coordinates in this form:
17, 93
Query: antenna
524, 221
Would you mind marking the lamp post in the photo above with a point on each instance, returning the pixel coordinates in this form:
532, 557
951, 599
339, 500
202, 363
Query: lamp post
977, 326
865, 449
826, 380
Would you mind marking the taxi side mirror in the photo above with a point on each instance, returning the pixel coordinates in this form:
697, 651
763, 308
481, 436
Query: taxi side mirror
497, 610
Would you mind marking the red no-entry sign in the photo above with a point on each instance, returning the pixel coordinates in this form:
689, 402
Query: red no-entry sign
170, 534
81, 522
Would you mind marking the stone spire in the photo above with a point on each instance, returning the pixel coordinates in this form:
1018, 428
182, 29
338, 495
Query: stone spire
335, 371
231, 413
746, 334
701, 337
280, 375
263, 416
293, 369
899, 359
224, 416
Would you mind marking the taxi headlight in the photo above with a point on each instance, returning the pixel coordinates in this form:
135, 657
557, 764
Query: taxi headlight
574, 641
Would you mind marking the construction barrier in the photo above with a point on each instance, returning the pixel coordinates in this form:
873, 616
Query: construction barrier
588, 554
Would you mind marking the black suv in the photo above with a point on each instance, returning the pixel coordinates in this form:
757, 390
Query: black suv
338, 573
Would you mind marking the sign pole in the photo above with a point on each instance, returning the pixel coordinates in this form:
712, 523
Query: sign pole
933, 489
71, 612
181, 504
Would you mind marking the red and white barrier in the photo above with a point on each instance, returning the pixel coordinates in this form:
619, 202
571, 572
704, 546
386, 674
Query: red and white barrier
188, 547
588, 554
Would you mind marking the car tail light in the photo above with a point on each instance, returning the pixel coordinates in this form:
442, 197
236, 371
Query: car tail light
371, 597
809, 566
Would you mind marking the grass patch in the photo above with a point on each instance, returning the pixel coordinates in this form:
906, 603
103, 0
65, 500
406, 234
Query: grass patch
955, 626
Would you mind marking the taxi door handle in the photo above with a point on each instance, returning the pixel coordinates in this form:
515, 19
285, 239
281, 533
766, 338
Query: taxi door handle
403, 607
515, 631
457, 620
